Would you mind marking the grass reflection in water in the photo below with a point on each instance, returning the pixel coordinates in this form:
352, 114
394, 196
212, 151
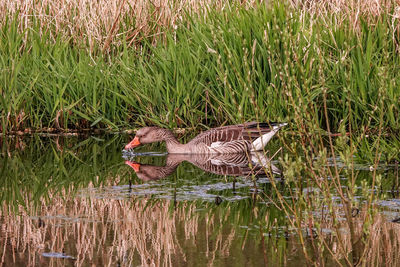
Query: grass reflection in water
67, 200
73, 201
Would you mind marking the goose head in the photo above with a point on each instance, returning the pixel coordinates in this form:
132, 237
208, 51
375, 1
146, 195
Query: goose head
147, 135
147, 172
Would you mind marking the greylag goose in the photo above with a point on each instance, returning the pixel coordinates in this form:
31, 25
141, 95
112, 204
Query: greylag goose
241, 138
255, 163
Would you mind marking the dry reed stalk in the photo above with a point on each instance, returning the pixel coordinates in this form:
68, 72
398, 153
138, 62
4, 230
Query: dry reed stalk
102, 23
353, 10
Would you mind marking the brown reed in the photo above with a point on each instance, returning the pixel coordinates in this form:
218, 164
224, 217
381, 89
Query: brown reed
104, 23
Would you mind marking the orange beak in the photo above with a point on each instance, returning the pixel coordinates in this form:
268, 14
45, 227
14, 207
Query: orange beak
135, 166
134, 143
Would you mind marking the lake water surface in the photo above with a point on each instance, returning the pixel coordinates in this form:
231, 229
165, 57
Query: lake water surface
81, 201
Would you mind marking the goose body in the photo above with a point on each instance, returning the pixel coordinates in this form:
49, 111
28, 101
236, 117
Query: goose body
240, 138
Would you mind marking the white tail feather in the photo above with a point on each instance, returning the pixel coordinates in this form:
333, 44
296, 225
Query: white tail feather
261, 141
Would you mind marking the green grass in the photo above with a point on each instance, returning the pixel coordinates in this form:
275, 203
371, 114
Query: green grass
267, 63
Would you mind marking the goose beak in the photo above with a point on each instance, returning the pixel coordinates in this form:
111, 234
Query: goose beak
134, 143
135, 166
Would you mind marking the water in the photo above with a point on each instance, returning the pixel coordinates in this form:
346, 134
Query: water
82, 202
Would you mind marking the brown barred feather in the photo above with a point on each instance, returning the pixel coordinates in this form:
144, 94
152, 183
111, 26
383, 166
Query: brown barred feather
247, 131
227, 139
241, 164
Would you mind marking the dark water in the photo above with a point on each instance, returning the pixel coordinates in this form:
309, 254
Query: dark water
82, 202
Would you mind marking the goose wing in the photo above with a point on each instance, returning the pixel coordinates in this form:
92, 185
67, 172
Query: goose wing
247, 131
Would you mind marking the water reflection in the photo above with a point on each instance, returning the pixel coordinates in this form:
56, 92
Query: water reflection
254, 164
73, 201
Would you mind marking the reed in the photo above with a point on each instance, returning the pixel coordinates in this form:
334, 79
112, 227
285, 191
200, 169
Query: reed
334, 210
102, 25
106, 24
229, 66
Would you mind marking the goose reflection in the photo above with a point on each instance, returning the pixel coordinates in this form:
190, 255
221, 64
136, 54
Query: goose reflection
255, 163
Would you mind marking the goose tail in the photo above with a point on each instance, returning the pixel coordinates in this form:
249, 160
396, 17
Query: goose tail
261, 141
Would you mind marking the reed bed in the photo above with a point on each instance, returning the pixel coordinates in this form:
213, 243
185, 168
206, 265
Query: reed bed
329, 68
332, 209
233, 64
104, 24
